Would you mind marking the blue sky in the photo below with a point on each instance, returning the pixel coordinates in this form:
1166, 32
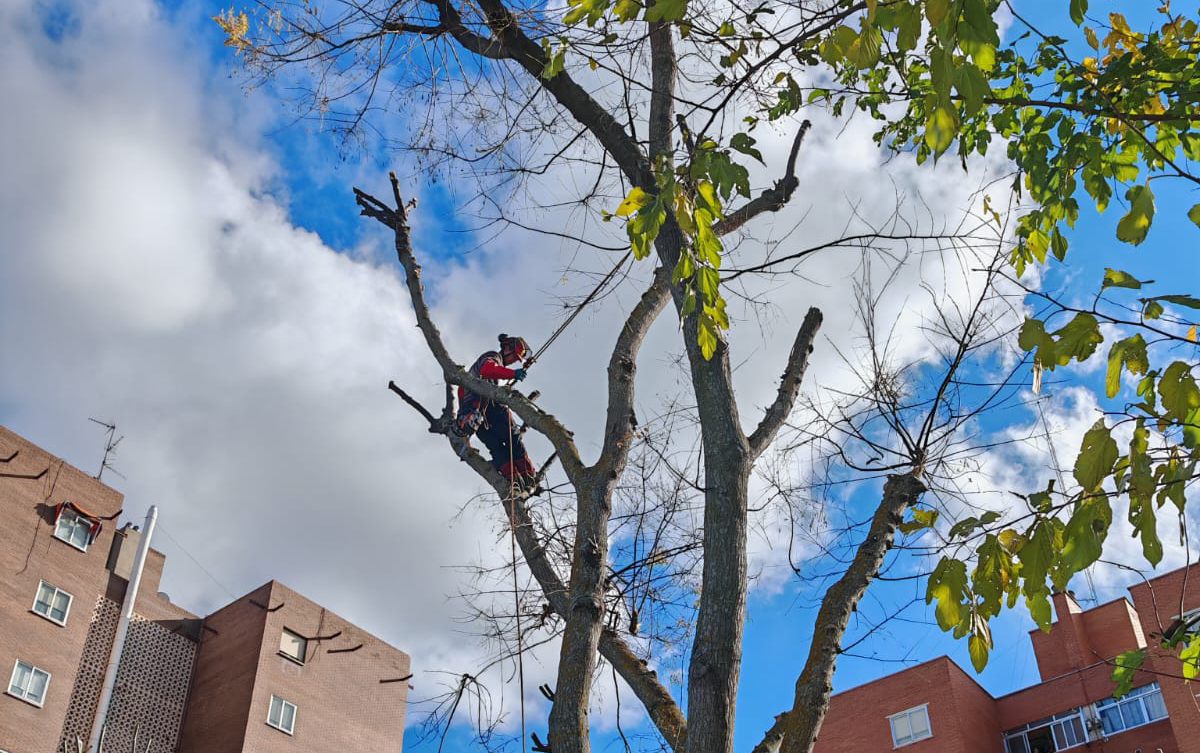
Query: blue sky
298, 353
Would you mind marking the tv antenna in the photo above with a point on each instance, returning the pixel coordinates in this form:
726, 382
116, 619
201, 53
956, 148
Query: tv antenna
111, 441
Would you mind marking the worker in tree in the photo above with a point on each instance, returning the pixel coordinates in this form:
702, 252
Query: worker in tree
494, 422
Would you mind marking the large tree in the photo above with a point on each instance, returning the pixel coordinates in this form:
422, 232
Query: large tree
659, 102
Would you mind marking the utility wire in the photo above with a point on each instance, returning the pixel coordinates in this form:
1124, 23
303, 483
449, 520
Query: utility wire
203, 569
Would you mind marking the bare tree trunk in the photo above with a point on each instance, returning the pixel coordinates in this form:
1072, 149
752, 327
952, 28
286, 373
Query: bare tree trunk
802, 723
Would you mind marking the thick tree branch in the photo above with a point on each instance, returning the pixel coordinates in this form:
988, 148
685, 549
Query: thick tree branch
789, 385
622, 370
530, 56
815, 684
773, 737
771, 200
548, 425
452, 23
658, 701
663, 70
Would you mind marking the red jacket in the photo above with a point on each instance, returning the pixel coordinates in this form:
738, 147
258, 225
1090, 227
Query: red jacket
489, 366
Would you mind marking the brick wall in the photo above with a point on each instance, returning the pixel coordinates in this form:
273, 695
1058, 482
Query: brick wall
219, 676
29, 554
341, 703
223, 678
1158, 602
961, 714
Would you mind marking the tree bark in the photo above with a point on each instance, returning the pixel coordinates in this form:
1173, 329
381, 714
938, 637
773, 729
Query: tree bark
803, 722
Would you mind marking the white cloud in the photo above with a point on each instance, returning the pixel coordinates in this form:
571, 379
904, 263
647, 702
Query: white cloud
150, 278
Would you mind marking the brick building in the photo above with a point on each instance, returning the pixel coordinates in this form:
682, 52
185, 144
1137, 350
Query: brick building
271, 671
936, 707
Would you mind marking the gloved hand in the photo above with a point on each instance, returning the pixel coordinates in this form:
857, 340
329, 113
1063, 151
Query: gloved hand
520, 374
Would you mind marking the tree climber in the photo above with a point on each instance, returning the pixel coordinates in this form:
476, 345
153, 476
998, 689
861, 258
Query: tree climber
494, 422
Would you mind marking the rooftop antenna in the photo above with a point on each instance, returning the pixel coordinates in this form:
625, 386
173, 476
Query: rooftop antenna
111, 441
1062, 483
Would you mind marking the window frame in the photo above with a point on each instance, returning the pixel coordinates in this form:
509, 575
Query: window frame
907, 714
34, 670
1051, 723
1138, 695
303, 647
49, 615
75, 520
284, 703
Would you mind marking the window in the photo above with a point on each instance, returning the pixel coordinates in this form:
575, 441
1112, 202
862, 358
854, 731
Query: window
1140, 706
74, 529
1058, 732
910, 726
52, 603
282, 715
293, 645
29, 683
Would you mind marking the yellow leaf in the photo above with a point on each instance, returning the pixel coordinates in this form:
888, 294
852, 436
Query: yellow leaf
636, 199
1191, 335
236, 26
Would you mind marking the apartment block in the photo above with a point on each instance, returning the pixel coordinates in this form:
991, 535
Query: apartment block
271, 671
937, 707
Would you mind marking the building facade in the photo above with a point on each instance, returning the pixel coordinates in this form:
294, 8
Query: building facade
271, 671
936, 707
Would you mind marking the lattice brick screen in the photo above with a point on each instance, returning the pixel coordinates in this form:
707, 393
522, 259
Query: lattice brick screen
152, 684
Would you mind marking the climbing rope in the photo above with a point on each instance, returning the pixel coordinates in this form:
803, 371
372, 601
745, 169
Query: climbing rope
512, 487
591, 296
512, 530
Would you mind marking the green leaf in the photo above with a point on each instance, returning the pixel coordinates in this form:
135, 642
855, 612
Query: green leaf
921, 520
1180, 395
972, 86
708, 193
941, 128
1194, 214
1190, 656
994, 575
948, 586
592, 10
1129, 354
667, 10
1078, 339
1181, 300
863, 52
707, 336
555, 59
1085, 532
1134, 226
626, 10
1125, 667
936, 11
977, 647
744, 143
1141, 495
1097, 456
1078, 9
1115, 278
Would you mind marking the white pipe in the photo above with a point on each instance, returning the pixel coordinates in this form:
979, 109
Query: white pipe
118, 647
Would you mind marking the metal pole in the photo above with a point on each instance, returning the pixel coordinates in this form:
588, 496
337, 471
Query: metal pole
118, 647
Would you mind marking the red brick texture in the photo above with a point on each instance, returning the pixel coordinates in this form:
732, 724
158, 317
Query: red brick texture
340, 699
962, 716
342, 703
1075, 660
29, 553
